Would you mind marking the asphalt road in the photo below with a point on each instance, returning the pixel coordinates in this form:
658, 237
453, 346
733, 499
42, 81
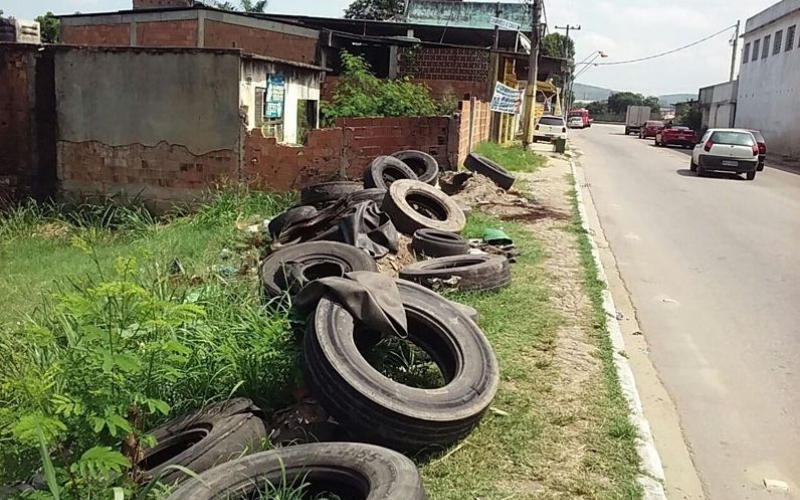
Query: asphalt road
713, 269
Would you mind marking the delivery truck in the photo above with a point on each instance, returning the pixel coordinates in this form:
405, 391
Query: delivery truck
637, 116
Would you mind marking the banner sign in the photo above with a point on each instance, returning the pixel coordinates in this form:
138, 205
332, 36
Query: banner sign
506, 100
276, 93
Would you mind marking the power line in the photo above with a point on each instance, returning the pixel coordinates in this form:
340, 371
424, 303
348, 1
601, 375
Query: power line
641, 59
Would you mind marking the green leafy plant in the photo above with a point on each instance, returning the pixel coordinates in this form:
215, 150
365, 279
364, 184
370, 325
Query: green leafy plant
359, 93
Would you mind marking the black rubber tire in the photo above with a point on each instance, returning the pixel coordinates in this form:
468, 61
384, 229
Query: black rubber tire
434, 243
692, 165
338, 257
475, 272
291, 216
372, 194
377, 409
358, 470
214, 435
750, 176
424, 165
484, 166
469, 311
327, 192
442, 212
384, 171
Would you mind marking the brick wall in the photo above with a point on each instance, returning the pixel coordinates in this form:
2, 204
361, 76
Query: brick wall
481, 127
222, 35
167, 33
437, 63
112, 35
160, 175
27, 124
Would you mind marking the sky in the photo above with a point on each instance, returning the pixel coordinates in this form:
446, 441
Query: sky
624, 29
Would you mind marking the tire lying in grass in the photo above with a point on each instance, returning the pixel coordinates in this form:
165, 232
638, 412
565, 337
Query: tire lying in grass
291, 216
204, 439
469, 311
377, 409
424, 165
464, 272
320, 470
414, 205
327, 192
484, 166
435, 243
385, 170
314, 260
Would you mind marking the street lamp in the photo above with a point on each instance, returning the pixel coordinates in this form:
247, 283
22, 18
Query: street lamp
588, 63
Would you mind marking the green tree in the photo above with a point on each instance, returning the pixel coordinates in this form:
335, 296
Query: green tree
597, 108
558, 45
258, 6
654, 103
618, 102
374, 9
49, 26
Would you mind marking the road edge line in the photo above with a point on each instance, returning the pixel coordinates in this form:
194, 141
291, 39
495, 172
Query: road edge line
652, 481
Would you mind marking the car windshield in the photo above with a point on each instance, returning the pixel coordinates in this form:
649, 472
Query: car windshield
552, 121
732, 138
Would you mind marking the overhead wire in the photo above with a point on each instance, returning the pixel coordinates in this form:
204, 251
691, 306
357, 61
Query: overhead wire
656, 56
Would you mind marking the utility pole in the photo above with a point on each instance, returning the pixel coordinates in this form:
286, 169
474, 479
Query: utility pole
567, 72
735, 49
533, 74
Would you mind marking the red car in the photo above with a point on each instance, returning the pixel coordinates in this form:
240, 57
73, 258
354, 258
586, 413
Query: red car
683, 136
762, 148
650, 129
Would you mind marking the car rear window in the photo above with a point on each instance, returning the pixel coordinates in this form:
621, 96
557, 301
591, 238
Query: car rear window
552, 121
681, 129
732, 138
759, 137
655, 124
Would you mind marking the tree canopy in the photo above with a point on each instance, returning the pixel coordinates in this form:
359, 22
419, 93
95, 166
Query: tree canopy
259, 6
374, 9
49, 26
554, 45
618, 102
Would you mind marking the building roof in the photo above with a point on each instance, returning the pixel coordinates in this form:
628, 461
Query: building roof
772, 15
285, 62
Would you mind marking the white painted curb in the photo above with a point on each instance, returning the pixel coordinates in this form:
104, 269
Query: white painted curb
652, 479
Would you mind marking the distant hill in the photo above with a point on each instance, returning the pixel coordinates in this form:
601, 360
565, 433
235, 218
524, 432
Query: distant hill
592, 93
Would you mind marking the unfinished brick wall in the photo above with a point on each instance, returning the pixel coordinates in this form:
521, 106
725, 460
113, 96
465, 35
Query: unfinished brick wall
27, 124
481, 127
444, 63
160, 175
261, 42
167, 33
111, 35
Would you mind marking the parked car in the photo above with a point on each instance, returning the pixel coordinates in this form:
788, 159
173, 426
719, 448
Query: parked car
650, 129
583, 114
762, 148
576, 122
550, 128
726, 150
682, 136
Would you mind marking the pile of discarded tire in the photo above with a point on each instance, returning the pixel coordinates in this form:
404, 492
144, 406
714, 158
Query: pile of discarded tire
323, 258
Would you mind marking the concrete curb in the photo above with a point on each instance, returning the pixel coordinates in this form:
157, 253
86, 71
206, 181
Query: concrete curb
652, 479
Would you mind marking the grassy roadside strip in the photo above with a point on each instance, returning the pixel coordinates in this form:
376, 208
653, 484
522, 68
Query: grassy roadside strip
514, 158
615, 440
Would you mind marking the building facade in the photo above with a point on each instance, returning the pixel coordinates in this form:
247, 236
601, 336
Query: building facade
718, 104
769, 80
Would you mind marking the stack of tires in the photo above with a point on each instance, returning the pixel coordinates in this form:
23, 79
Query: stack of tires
383, 417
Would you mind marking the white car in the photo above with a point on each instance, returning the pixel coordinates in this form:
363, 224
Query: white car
550, 128
726, 150
575, 122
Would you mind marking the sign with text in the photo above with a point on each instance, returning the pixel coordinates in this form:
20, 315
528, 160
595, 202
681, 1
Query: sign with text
276, 94
502, 23
506, 99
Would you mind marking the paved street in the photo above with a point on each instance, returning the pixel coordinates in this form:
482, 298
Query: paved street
713, 269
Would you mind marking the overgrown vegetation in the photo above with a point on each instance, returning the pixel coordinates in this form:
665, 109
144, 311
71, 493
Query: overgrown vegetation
359, 93
514, 158
132, 328
617, 105
374, 9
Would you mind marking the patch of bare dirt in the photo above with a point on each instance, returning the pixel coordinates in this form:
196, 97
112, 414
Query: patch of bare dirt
393, 263
53, 230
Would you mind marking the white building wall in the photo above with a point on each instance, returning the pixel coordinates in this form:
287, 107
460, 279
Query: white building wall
769, 88
301, 84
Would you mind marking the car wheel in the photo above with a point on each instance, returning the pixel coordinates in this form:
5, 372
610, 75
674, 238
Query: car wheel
701, 172
751, 176
692, 165
760, 167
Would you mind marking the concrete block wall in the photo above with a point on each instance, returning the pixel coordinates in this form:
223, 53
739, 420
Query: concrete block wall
110, 35
263, 42
167, 33
481, 127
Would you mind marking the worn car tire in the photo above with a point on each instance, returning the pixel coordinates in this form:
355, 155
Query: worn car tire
204, 439
289, 217
484, 166
348, 470
474, 272
377, 409
469, 311
414, 205
385, 170
424, 165
434, 243
372, 194
327, 192
319, 258
692, 165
